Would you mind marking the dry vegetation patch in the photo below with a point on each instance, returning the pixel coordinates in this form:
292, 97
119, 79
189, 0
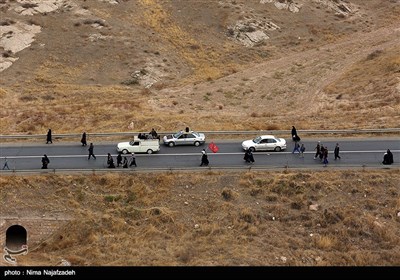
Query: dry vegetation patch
245, 218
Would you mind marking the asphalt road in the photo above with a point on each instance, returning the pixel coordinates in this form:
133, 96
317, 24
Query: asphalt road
72, 156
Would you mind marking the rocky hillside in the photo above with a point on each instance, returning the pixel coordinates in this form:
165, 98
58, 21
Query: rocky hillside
237, 64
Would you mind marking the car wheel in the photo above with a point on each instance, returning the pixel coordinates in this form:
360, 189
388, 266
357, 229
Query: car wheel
171, 144
252, 149
278, 149
197, 143
124, 151
149, 151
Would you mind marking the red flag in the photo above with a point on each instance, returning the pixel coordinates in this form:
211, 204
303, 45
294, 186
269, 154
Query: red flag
214, 148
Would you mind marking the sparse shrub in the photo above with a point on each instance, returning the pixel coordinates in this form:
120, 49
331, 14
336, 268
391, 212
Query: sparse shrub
371, 204
132, 81
174, 102
247, 216
272, 127
271, 198
331, 218
94, 21
27, 98
230, 32
48, 97
194, 47
77, 24
7, 22
111, 198
325, 242
296, 205
227, 194
256, 191
33, 22
339, 97
155, 211
392, 191
185, 254
7, 53
29, 5
131, 196
278, 75
254, 115
103, 181
374, 54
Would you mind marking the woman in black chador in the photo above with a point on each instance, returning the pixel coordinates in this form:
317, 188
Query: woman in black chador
83, 139
49, 137
248, 156
388, 157
45, 161
204, 158
295, 137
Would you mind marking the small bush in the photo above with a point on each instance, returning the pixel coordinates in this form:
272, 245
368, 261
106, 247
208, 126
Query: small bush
296, 205
374, 54
227, 194
7, 22
132, 81
29, 5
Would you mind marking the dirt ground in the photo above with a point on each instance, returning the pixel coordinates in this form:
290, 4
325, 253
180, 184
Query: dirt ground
133, 65
345, 218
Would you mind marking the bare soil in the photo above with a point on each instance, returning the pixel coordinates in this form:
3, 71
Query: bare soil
345, 218
112, 66
133, 65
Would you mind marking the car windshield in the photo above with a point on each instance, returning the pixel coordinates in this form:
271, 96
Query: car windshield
176, 135
257, 139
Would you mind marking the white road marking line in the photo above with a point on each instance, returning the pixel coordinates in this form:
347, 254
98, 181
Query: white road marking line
195, 154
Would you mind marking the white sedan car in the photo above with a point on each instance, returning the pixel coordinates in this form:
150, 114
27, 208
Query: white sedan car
185, 138
265, 143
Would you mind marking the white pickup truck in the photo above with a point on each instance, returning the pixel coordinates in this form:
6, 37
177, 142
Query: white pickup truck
137, 145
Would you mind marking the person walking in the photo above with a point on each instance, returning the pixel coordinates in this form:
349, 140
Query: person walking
294, 134
317, 149
49, 137
296, 147
6, 164
322, 153
91, 154
110, 161
125, 163
325, 156
45, 161
119, 160
248, 156
133, 160
204, 158
336, 152
83, 139
302, 149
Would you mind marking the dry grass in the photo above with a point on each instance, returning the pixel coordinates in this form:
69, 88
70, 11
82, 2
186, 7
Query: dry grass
200, 71
245, 218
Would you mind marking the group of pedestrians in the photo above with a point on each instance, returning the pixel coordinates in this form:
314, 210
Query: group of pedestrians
121, 161
321, 153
